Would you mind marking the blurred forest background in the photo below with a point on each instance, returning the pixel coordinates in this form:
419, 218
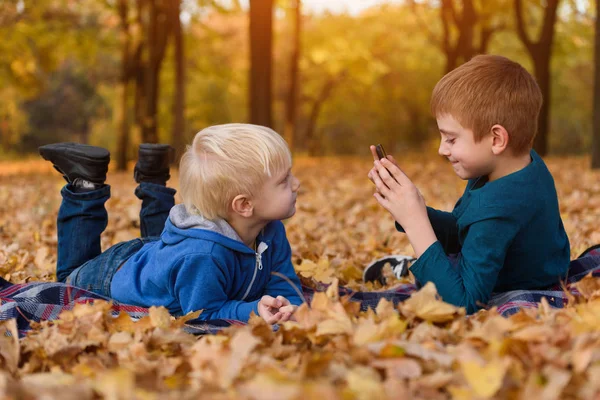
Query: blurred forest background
118, 72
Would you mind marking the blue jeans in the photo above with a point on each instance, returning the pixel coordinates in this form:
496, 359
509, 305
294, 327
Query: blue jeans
82, 218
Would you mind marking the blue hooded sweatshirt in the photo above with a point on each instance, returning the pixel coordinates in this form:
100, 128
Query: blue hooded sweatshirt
199, 264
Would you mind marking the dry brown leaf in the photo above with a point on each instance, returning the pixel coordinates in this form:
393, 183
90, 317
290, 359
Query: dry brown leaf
484, 380
9, 346
425, 305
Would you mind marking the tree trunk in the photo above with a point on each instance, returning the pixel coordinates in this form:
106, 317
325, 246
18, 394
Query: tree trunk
464, 48
156, 29
178, 132
540, 52
542, 73
291, 106
310, 137
149, 128
5, 132
122, 109
596, 118
261, 54
465, 22
466, 38
139, 67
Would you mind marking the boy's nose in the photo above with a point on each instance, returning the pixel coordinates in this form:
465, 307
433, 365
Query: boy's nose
295, 184
443, 150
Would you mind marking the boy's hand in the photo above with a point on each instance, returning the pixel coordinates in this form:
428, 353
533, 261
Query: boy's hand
401, 198
373, 170
287, 313
274, 310
376, 156
396, 192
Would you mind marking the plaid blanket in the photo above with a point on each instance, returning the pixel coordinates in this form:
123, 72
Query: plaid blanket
37, 301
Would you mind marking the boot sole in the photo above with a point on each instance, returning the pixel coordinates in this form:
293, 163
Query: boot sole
101, 155
77, 154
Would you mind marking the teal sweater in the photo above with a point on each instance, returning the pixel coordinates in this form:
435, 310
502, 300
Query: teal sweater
507, 235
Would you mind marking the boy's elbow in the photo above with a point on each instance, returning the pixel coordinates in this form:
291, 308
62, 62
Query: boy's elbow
472, 304
471, 308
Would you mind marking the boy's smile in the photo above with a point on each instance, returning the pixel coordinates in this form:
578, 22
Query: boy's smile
468, 158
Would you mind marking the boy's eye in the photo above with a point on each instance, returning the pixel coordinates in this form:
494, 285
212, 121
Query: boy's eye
450, 140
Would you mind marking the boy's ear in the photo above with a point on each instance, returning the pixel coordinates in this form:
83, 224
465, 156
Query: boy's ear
500, 139
242, 205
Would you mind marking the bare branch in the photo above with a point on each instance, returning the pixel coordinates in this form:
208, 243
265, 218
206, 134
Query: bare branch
424, 26
550, 15
449, 5
521, 31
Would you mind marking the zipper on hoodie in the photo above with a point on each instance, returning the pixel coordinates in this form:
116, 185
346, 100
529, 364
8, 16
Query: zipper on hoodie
257, 266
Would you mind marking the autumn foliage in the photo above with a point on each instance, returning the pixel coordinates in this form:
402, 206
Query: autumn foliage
422, 349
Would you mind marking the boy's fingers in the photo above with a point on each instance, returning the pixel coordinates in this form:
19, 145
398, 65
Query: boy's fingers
386, 176
284, 301
380, 184
393, 160
274, 318
285, 317
394, 169
373, 170
287, 309
270, 301
372, 173
381, 200
374, 152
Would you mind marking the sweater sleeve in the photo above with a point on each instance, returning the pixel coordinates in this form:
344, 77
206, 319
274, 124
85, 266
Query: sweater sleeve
205, 289
282, 264
469, 283
445, 229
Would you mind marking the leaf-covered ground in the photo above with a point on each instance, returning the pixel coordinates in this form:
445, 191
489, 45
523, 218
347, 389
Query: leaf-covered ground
424, 349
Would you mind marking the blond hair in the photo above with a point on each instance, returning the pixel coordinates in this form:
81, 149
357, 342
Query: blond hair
490, 90
227, 160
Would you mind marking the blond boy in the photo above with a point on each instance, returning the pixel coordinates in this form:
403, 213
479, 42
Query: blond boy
223, 251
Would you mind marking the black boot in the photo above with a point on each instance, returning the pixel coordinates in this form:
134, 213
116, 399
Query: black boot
81, 165
153, 163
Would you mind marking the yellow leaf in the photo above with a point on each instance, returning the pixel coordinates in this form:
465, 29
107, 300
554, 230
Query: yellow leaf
484, 380
160, 317
265, 386
334, 327
116, 384
241, 345
366, 332
9, 345
588, 317
385, 308
364, 383
534, 333
425, 305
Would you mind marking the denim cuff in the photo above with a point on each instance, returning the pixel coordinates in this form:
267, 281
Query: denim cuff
68, 191
146, 187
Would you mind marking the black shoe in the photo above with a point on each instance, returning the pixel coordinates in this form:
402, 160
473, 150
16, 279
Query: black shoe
399, 264
153, 163
78, 161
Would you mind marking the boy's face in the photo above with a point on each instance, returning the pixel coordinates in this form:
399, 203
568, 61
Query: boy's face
277, 198
469, 159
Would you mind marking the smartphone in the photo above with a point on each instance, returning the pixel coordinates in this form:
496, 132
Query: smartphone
382, 154
380, 151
